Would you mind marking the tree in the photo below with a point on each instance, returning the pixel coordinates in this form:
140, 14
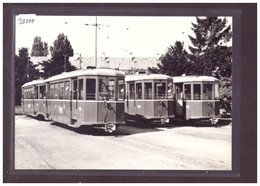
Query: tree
60, 52
25, 71
210, 54
39, 48
174, 62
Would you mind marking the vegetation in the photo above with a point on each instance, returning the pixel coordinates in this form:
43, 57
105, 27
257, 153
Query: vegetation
39, 48
60, 52
25, 71
208, 55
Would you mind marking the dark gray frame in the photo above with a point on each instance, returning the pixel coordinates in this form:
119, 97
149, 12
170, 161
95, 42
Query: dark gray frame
244, 110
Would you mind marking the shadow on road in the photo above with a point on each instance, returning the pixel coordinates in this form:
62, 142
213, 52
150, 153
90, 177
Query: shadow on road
132, 128
200, 123
122, 130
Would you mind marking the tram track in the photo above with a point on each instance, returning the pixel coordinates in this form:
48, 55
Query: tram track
35, 156
45, 146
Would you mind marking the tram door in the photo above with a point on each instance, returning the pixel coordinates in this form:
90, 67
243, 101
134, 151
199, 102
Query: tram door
74, 101
35, 93
179, 103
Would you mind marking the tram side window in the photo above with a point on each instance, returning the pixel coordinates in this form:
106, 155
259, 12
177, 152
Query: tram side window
187, 91
67, 90
131, 91
61, 90
160, 90
75, 88
42, 92
80, 89
24, 93
29, 93
111, 89
51, 91
148, 94
56, 91
208, 91
197, 91
36, 92
90, 89
120, 90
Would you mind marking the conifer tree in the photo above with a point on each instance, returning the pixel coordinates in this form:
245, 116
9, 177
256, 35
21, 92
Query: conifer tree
210, 54
39, 48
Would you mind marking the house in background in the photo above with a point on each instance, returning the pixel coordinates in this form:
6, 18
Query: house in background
122, 63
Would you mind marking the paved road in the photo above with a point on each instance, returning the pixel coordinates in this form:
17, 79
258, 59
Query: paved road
49, 145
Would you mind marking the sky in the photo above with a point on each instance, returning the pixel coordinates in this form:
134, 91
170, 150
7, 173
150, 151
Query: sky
117, 36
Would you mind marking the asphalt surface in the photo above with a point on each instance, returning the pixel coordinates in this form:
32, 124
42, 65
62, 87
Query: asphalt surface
50, 145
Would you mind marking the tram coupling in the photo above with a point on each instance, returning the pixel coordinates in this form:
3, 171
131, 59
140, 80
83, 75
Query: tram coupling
165, 120
213, 121
110, 127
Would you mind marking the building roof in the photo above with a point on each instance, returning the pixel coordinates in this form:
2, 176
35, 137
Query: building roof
122, 63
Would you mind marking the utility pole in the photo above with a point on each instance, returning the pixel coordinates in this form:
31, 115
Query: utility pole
96, 25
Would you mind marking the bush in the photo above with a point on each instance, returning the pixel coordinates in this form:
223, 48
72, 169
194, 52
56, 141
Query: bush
226, 95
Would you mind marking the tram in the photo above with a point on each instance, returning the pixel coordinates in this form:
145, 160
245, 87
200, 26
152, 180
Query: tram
83, 97
196, 97
149, 98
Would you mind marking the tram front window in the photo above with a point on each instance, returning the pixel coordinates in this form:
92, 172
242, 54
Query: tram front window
187, 92
208, 91
111, 89
197, 92
90, 89
138, 90
160, 90
106, 89
148, 94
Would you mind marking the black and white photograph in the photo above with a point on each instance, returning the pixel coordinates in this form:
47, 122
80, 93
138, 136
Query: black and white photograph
125, 93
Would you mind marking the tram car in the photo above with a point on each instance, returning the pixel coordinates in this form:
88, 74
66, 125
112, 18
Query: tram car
149, 98
196, 97
83, 97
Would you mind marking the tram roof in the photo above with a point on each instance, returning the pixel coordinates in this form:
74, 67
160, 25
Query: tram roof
183, 79
34, 82
76, 73
138, 77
